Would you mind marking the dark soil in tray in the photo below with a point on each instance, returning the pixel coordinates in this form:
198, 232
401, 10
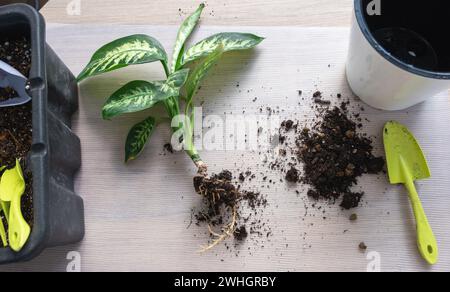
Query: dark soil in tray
16, 128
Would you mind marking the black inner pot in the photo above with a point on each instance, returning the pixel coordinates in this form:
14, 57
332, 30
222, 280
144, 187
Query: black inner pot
415, 32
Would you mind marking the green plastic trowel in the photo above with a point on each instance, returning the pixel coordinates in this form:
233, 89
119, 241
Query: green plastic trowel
12, 187
406, 164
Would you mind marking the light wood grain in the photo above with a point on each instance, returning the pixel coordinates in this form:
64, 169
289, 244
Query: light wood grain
137, 214
218, 12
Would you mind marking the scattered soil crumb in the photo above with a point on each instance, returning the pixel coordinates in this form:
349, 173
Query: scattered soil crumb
168, 148
287, 125
317, 96
362, 246
241, 233
292, 175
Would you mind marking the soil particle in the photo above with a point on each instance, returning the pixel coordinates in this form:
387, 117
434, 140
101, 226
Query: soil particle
287, 125
292, 175
168, 148
241, 233
317, 94
16, 122
362, 246
317, 97
351, 200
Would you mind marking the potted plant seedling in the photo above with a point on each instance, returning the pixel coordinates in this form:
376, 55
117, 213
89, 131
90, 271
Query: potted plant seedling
184, 72
39, 154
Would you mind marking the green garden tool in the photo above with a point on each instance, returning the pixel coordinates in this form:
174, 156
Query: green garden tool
4, 209
406, 164
12, 187
11, 78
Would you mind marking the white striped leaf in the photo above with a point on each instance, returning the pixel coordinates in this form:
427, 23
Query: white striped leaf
229, 40
200, 71
185, 31
138, 138
131, 50
140, 95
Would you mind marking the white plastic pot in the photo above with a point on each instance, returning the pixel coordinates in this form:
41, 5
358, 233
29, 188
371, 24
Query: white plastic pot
379, 78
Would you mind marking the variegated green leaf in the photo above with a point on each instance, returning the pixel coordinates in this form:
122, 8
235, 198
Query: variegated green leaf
140, 95
138, 137
136, 96
185, 31
131, 50
178, 78
200, 71
229, 40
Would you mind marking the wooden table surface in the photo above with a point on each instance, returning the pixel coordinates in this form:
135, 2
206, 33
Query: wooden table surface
174, 248
219, 12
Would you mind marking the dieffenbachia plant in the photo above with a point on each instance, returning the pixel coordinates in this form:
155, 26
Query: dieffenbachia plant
184, 73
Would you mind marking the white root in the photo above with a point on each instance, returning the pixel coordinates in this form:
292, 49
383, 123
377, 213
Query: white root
227, 232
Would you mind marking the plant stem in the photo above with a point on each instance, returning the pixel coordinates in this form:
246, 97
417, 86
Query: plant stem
173, 109
166, 69
191, 150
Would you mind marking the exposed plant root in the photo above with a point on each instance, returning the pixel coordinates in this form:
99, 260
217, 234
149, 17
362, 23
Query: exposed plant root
227, 232
222, 206
221, 199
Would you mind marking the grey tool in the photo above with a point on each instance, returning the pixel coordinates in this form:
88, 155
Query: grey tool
10, 77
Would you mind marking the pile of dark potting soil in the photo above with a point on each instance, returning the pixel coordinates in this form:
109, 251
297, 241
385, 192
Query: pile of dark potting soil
16, 122
224, 203
334, 155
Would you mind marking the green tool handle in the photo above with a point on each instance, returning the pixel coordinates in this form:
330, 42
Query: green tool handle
2, 230
425, 237
19, 230
4, 207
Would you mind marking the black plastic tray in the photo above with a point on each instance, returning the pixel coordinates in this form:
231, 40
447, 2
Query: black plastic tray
56, 152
